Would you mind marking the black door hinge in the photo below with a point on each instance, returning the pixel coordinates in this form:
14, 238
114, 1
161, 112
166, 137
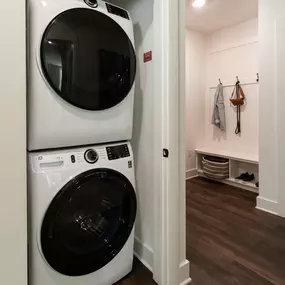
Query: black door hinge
165, 152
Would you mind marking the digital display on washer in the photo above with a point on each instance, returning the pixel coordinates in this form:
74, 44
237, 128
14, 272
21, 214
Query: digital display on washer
118, 151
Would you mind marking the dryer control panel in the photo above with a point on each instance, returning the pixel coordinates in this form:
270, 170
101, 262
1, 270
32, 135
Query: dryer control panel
118, 151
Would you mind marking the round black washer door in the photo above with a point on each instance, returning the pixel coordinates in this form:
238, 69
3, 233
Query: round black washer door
88, 222
88, 59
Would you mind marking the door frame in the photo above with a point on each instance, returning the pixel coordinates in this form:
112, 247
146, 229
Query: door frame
170, 266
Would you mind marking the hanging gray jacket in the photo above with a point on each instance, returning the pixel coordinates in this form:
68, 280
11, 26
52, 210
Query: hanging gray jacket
219, 116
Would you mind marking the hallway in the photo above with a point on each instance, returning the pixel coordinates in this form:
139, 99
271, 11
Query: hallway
228, 240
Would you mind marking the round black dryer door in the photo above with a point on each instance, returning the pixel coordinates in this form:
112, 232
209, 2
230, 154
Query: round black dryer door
88, 59
88, 222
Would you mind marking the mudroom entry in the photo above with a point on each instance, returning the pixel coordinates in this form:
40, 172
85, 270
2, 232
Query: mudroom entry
234, 234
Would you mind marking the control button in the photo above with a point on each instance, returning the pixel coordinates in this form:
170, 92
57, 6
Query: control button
91, 156
72, 159
91, 3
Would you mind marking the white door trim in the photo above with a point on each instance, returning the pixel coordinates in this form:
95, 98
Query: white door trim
159, 88
185, 265
169, 226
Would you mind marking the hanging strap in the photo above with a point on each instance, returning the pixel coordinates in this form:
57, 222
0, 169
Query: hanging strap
239, 94
235, 91
238, 128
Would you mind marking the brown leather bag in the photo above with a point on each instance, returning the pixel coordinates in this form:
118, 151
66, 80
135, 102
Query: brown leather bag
239, 95
237, 100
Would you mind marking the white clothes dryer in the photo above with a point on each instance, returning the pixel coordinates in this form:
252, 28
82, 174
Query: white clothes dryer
81, 72
82, 209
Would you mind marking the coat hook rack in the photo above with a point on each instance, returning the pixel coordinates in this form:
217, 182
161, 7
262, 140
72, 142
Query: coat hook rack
257, 74
220, 81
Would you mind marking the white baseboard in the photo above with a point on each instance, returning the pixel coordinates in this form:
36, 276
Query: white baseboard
191, 173
144, 254
186, 282
184, 272
267, 205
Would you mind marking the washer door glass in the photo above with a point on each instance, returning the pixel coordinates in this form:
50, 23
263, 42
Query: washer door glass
88, 59
88, 222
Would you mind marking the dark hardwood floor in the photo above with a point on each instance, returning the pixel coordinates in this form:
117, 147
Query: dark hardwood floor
228, 240
139, 276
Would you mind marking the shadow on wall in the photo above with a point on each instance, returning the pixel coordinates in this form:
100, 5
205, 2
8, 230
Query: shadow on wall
138, 104
142, 16
138, 117
219, 135
142, 141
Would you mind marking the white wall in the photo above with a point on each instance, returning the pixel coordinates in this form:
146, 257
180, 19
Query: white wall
233, 37
195, 87
225, 54
13, 224
233, 52
143, 144
272, 115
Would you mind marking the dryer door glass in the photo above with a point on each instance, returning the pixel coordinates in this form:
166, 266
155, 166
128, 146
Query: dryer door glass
88, 222
88, 59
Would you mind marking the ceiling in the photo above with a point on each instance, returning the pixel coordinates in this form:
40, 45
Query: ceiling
218, 14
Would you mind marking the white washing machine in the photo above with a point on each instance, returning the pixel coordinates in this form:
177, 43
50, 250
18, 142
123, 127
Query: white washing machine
81, 71
82, 209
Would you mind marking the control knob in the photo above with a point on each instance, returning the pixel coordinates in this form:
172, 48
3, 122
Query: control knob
91, 3
91, 156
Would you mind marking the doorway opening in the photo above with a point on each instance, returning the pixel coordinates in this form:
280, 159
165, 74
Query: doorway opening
229, 240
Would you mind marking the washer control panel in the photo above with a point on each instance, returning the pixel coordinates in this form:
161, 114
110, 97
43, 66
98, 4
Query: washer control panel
87, 157
118, 151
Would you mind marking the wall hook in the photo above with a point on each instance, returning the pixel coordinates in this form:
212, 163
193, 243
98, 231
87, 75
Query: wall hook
237, 80
257, 74
220, 81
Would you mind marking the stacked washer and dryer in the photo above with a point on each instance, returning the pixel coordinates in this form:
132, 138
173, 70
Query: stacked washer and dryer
82, 199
